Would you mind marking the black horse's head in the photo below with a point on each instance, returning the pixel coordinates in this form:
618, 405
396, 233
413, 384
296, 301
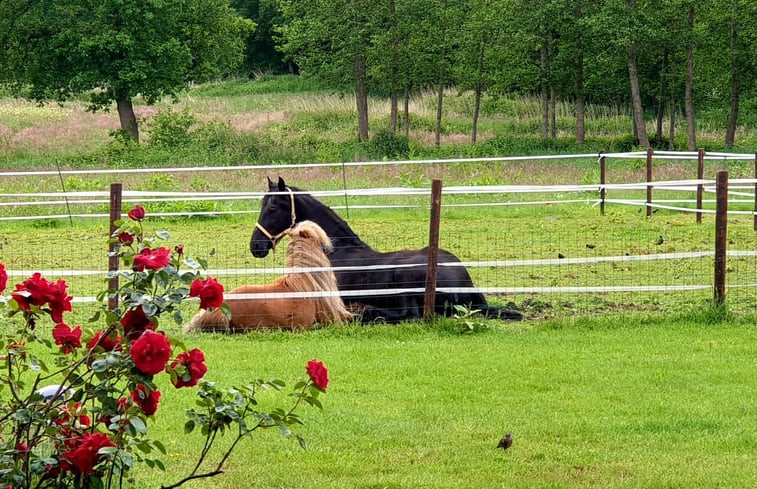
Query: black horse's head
277, 215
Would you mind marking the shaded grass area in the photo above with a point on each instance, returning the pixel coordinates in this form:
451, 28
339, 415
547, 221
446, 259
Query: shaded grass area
615, 402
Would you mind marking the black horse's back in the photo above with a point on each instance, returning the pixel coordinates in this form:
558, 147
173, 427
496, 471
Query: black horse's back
367, 270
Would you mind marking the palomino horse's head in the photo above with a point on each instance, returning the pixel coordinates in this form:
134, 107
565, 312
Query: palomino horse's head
308, 230
277, 216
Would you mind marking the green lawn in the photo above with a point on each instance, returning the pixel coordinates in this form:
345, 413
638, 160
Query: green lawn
620, 402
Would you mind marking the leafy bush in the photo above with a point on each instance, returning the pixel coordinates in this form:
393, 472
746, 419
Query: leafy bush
90, 428
386, 144
170, 129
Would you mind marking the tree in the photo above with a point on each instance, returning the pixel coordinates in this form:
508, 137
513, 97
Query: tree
115, 50
689, 90
633, 77
329, 40
733, 115
261, 54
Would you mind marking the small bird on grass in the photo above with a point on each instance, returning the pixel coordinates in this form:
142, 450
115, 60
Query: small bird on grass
505, 442
660, 240
560, 255
591, 246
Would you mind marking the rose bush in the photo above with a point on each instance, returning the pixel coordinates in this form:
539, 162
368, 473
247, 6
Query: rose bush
83, 421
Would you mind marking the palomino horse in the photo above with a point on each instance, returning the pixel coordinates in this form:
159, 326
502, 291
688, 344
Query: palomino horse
307, 249
364, 268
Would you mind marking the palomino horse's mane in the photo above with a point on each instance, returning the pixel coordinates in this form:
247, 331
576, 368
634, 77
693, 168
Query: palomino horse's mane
307, 249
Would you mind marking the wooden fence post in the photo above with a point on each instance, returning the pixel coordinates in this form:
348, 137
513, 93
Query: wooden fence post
650, 152
115, 215
602, 182
721, 235
700, 187
429, 302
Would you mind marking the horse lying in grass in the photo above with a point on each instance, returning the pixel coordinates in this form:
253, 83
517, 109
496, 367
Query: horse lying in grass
307, 249
284, 206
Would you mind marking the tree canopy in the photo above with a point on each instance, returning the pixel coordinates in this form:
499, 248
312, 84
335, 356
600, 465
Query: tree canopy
114, 50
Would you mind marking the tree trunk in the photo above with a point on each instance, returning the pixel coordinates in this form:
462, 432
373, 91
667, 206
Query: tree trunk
733, 116
691, 126
478, 89
661, 96
406, 113
395, 65
552, 113
580, 119
672, 131
126, 116
361, 98
440, 89
658, 120
638, 110
580, 97
544, 93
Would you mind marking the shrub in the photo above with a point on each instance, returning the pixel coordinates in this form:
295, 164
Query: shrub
386, 144
90, 428
170, 129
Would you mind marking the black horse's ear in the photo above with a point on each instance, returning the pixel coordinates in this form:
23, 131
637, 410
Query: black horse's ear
282, 185
270, 182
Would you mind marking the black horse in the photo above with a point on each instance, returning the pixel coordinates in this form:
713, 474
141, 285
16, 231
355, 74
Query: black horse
284, 206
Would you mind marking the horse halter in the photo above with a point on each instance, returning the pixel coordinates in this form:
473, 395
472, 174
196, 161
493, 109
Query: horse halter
276, 238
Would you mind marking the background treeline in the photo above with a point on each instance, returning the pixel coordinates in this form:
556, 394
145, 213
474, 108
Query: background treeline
659, 57
672, 70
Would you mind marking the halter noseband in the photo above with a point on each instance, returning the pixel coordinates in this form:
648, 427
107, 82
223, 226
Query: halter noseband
276, 238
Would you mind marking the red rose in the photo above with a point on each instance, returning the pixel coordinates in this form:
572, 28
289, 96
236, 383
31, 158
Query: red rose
179, 249
37, 292
193, 362
108, 343
135, 322
3, 278
126, 238
22, 447
318, 374
146, 399
58, 300
152, 259
67, 338
209, 291
83, 451
150, 352
137, 213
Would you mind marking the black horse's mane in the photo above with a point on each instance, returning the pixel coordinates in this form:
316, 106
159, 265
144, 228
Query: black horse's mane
340, 232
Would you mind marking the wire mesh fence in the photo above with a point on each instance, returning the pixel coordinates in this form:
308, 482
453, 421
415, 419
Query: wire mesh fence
555, 255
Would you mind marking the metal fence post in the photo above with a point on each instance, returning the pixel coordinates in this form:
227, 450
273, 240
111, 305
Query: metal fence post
429, 302
700, 187
650, 152
602, 181
721, 236
115, 215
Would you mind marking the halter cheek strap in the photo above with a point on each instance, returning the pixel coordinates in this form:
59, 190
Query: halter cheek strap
276, 238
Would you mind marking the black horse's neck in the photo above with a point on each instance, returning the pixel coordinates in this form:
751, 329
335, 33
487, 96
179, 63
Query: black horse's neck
341, 234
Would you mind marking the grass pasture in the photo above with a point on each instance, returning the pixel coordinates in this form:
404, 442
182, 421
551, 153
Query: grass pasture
631, 390
617, 402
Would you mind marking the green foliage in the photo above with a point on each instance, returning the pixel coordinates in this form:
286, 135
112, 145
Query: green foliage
63, 48
259, 86
79, 413
387, 145
469, 320
170, 129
